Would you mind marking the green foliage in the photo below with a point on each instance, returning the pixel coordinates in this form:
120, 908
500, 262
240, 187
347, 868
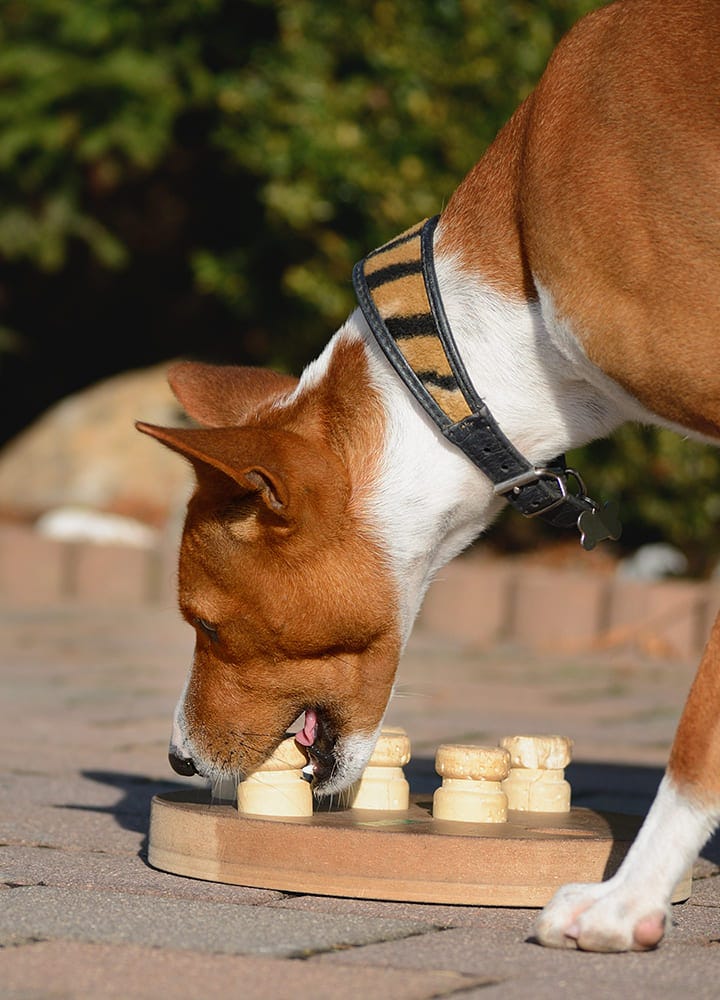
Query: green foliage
89, 94
338, 123
362, 118
199, 176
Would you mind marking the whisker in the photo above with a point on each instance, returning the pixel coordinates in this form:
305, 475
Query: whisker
224, 791
403, 692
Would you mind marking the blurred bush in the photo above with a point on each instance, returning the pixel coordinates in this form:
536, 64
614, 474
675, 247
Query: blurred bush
666, 486
202, 174
308, 129
197, 177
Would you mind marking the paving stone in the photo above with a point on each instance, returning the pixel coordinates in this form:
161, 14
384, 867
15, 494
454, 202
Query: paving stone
517, 919
121, 873
36, 913
706, 892
513, 966
88, 971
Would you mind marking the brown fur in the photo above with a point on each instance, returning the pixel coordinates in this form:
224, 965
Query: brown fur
273, 558
695, 757
604, 187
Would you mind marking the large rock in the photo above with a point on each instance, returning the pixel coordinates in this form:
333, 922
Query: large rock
85, 452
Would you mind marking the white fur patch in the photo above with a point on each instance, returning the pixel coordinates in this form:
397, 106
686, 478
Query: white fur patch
180, 744
606, 916
352, 754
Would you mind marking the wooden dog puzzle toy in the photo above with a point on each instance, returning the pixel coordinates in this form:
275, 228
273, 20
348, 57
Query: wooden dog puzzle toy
499, 831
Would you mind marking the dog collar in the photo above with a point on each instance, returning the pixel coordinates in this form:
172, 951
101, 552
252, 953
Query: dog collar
397, 290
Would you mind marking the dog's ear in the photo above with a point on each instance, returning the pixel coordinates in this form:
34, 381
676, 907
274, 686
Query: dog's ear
225, 395
292, 478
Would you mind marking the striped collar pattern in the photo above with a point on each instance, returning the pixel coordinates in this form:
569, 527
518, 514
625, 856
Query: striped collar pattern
397, 290
395, 279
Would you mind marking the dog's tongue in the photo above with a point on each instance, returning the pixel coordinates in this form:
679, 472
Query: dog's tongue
307, 735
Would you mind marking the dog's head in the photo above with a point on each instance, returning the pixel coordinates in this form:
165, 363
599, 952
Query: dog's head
279, 572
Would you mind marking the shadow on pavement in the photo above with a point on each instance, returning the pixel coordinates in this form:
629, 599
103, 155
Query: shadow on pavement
132, 810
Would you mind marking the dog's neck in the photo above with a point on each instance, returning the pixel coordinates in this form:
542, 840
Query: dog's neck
428, 501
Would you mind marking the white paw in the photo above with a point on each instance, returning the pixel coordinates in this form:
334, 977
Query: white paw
601, 917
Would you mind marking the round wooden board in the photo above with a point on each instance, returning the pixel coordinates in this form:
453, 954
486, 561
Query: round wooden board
408, 855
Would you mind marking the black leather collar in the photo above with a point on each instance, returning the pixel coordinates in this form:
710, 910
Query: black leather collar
397, 290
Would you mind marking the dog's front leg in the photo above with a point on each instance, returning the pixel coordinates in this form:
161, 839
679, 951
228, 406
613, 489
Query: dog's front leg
630, 910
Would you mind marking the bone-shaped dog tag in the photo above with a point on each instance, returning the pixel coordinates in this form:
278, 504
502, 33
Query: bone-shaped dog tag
599, 524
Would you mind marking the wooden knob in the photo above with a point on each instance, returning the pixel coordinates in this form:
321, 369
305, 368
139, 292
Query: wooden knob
457, 760
551, 752
277, 788
392, 748
536, 781
383, 784
288, 756
471, 789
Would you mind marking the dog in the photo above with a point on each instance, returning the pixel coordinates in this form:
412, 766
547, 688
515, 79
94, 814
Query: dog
571, 284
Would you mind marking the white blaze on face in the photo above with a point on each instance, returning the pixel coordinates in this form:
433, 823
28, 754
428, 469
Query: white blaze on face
178, 742
352, 754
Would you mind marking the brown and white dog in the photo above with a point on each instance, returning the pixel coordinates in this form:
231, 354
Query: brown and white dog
579, 267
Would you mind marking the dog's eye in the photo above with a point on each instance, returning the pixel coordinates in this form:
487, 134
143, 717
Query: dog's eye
207, 628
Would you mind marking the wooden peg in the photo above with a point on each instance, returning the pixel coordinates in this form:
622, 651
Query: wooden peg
278, 787
383, 784
536, 782
471, 790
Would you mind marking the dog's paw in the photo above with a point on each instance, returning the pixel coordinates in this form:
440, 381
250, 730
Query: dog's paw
601, 917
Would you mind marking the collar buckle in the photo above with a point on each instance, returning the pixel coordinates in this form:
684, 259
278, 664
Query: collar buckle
560, 477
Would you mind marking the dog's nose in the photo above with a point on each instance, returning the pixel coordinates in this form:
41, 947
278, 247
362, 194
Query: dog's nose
181, 765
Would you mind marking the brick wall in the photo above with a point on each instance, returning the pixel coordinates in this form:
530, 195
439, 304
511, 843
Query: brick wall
484, 601
36, 570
